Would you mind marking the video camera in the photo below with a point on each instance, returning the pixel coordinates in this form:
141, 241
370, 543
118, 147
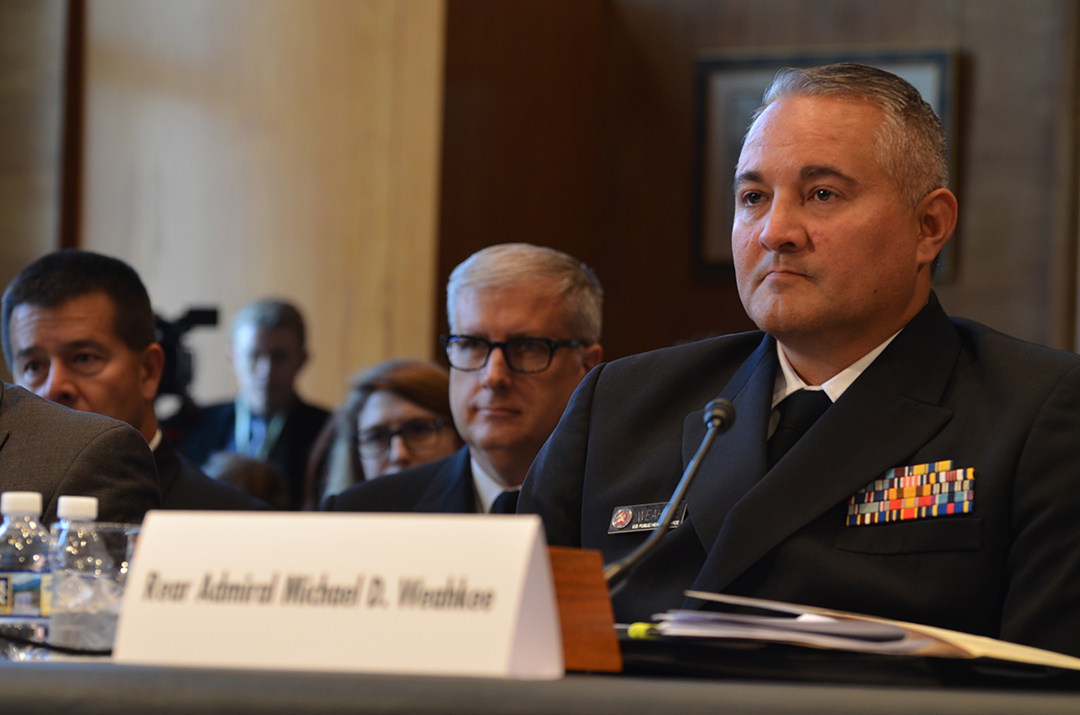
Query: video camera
179, 360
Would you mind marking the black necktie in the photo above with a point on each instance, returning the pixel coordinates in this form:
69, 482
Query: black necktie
798, 412
506, 503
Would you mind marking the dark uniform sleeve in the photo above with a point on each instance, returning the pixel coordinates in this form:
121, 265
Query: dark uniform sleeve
554, 487
1042, 586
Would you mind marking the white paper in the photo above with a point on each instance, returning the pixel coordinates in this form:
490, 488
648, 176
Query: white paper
917, 639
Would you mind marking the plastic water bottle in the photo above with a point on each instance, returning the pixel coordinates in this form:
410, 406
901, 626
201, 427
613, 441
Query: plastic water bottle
25, 589
85, 595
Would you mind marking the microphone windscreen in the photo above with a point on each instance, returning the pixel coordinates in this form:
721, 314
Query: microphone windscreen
720, 414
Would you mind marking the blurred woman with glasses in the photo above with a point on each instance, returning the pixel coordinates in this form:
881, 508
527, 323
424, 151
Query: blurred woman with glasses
397, 415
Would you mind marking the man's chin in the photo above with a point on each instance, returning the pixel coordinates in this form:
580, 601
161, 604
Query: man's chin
496, 437
788, 317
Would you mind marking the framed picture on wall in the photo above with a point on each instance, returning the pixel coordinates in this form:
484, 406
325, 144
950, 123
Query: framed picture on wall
730, 87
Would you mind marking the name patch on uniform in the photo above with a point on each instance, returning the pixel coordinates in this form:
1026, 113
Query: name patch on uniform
916, 492
642, 517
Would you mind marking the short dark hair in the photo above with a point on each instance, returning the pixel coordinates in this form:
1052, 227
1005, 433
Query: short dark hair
56, 278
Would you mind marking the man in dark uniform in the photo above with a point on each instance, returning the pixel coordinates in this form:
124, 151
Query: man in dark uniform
885, 458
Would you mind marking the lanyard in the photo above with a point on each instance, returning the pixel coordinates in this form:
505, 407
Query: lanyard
243, 431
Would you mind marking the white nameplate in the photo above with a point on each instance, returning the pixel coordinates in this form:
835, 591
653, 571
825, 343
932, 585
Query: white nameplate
433, 594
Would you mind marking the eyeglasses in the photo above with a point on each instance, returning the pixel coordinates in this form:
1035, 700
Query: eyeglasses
419, 435
527, 355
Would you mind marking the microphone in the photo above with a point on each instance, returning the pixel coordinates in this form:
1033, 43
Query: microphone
719, 416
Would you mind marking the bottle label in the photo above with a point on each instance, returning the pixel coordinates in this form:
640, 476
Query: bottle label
25, 593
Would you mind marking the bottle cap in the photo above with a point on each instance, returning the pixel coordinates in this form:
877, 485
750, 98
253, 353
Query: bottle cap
20, 504
77, 508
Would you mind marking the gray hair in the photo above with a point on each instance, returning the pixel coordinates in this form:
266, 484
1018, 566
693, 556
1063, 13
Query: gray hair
910, 141
271, 313
507, 265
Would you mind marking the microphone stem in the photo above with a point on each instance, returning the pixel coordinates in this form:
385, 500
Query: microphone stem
615, 573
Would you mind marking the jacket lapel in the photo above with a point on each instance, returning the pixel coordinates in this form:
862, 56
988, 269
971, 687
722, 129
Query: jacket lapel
736, 460
886, 415
168, 466
451, 489
4, 429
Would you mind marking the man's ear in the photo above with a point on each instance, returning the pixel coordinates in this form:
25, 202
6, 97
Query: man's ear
936, 215
591, 356
151, 366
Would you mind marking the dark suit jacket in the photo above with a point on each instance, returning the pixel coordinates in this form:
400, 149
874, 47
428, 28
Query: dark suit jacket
443, 486
184, 486
47, 448
942, 390
214, 425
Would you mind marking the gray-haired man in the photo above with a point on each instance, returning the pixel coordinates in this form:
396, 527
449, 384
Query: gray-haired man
525, 325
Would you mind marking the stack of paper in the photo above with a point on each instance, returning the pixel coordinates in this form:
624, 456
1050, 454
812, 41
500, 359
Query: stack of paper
823, 628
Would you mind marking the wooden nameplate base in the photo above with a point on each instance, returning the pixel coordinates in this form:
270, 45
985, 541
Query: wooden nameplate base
585, 615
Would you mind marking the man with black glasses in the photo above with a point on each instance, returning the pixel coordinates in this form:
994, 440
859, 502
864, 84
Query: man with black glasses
525, 329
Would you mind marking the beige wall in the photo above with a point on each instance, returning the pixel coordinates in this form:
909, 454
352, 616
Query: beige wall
271, 147
31, 125
240, 147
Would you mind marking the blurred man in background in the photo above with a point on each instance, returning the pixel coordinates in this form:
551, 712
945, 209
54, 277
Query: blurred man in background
267, 421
